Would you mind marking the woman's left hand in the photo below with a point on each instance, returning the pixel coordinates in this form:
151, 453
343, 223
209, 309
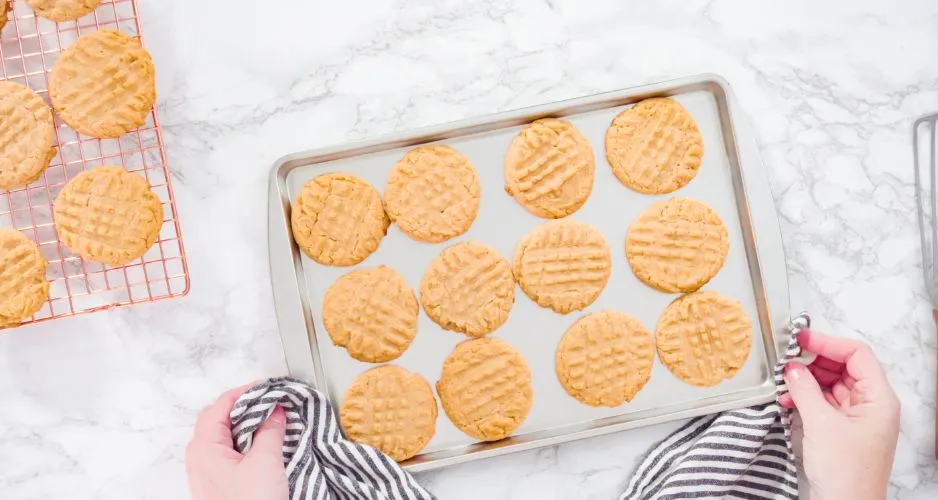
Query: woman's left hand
218, 472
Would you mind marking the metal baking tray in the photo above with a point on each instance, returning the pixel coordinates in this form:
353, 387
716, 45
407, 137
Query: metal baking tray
731, 180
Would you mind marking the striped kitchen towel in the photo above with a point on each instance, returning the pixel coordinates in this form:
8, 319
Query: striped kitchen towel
735, 454
320, 463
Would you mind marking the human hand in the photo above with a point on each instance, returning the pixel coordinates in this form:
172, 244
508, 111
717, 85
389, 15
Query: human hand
217, 472
850, 416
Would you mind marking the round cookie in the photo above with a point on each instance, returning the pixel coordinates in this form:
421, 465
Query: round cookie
677, 245
108, 215
338, 219
432, 194
563, 265
468, 288
703, 337
549, 168
4, 11
23, 285
654, 147
372, 313
27, 133
63, 10
390, 409
605, 358
485, 388
103, 85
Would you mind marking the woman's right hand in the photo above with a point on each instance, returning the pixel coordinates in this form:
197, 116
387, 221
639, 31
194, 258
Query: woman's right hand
850, 416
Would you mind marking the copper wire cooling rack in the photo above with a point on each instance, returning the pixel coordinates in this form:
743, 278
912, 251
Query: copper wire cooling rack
29, 45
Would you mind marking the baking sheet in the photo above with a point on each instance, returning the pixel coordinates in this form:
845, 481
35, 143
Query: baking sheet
535, 331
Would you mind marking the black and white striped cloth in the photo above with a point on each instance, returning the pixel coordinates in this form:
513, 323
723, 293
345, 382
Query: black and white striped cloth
320, 463
735, 454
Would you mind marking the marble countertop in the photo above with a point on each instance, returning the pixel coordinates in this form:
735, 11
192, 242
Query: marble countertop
100, 406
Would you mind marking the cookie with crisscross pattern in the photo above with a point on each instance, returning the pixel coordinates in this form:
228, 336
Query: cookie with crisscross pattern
468, 288
372, 313
677, 245
27, 133
23, 285
703, 338
108, 215
103, 85
654, 147
605, 358
432, 194
549, 168
391, 409
338, 220
63, 10
485, 388
563, 265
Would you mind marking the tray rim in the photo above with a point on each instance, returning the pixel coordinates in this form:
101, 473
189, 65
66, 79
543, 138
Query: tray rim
773, 308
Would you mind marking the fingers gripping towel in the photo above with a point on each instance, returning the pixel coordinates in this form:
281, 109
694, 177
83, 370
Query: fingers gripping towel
735, 454
320, 463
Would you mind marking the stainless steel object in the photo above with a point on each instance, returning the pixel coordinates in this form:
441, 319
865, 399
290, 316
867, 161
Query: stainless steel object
923, 145
731, 180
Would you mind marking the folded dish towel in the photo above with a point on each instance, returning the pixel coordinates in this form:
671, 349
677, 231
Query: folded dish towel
735, 454
321, 464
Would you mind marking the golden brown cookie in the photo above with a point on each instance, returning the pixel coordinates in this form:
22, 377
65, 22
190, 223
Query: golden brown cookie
654, 147
605, 358
338, 219
704, 337
390, 409
63, 10
432, 194
103, 85
4, 13
563, 265
372, 313
677, 245
27, 133
549, 168
23, 285
485, 388
108, 215
468, 288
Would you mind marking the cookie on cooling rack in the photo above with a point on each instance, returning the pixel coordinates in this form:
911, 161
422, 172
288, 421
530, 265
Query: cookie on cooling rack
563, 265
654, 147
372, 313
485, 388
391, 409
703, 338
433, 194
108, 215
605, 358
63, 10
27, 133
677, 245
338, 220
549, 168
23, 284
4, 11
468, 288
103, 85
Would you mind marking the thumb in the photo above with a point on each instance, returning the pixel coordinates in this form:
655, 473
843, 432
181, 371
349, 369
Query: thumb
806, 392
268, 439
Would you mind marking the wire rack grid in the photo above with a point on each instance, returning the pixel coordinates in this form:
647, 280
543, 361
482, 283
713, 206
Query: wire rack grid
29, 46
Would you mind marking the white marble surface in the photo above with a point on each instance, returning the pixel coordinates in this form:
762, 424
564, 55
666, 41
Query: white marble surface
100, 406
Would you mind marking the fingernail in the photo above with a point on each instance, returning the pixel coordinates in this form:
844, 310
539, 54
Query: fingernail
278, 416
793, 370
